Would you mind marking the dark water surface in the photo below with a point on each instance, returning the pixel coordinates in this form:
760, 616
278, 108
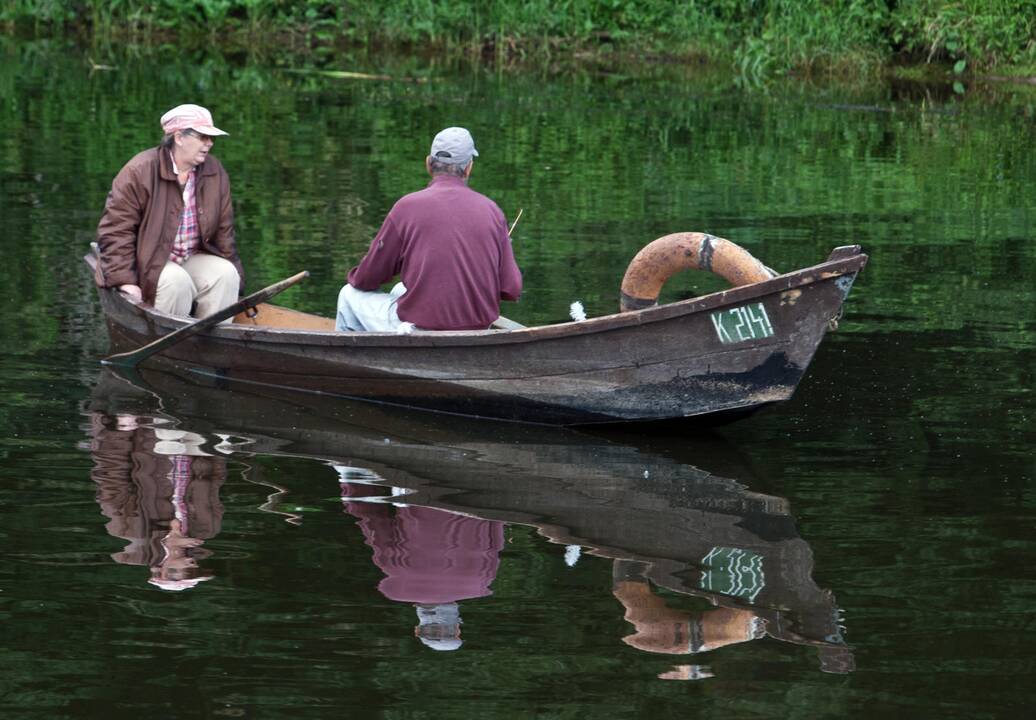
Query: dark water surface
866, 548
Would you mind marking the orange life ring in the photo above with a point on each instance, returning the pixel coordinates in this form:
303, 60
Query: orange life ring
660, 259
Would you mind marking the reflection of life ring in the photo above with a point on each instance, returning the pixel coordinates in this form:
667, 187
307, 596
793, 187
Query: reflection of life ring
661, 259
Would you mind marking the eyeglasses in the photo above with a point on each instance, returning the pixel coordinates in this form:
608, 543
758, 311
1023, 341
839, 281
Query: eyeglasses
194, 133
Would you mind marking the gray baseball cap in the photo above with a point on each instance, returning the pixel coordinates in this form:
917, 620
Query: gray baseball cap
453, 146
439, 626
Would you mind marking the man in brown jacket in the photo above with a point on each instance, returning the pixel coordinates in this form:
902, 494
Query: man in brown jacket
167, 233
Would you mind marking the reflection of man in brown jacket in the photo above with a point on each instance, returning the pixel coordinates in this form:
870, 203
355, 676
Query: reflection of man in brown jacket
167, 233
160, 491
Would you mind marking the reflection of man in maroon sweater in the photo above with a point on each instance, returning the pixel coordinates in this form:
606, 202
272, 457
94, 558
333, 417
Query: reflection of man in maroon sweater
430, 557
448, 244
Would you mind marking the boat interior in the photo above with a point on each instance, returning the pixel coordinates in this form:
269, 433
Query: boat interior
274, 316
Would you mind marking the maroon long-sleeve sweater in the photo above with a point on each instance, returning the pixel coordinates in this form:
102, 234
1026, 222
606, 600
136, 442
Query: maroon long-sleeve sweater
450, 247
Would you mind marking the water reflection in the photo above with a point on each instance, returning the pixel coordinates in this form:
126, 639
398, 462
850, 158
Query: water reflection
160, 492
699, 562
431, 558
661, 629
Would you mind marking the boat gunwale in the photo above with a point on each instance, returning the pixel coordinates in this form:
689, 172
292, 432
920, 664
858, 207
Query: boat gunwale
835, 266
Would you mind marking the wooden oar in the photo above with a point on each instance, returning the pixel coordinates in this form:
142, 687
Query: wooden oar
130, 359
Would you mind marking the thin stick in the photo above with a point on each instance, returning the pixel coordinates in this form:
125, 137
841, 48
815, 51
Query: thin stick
517, 218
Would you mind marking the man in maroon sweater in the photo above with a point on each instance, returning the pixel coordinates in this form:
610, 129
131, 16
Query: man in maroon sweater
448, 244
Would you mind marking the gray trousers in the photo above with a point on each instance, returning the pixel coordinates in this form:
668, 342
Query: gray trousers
371, 310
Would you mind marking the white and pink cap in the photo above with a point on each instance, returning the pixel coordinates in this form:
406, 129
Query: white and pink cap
189, 117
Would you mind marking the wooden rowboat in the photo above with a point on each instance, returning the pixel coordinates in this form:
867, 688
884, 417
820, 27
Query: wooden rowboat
715, 356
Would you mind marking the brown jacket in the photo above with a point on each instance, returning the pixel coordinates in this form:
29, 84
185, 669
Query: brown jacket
142, 214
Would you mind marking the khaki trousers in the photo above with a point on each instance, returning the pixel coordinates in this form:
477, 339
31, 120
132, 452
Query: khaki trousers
211, 282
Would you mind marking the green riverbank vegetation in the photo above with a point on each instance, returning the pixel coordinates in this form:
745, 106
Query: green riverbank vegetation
758, 37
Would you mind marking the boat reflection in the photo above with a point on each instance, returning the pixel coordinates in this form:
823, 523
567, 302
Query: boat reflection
432, 499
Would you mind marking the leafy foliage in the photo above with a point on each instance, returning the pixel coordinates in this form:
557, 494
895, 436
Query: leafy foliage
985, 33
760, 36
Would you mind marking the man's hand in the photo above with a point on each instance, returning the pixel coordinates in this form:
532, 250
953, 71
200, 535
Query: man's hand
133, 291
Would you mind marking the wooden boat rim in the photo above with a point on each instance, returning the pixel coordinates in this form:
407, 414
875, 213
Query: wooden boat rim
843, 260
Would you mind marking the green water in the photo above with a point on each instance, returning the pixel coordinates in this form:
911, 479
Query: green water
902, 473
